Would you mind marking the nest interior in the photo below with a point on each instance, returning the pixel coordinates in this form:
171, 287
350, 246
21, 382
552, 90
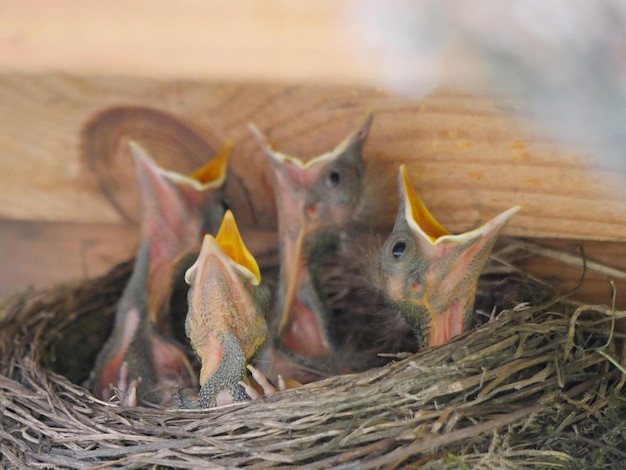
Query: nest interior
534, 386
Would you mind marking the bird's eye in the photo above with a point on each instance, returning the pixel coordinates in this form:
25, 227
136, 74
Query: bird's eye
398, 249
334, 178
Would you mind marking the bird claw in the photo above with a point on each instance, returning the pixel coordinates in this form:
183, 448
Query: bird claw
250, 390
268, 388
126, 392
128, 397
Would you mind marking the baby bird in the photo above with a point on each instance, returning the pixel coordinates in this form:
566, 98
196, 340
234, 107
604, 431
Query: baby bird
317, 202
428, 275
140, 359
226, 319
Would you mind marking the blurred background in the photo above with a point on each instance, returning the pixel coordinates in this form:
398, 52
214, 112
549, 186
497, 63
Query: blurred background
565, 60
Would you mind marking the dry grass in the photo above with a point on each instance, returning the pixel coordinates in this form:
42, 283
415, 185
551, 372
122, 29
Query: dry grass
535, 387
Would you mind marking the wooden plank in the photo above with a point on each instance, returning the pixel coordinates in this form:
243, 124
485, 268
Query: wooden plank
469, 155
606, 264
43, 254
40, 254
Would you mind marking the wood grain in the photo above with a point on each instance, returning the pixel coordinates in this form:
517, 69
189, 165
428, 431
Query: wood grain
43, 254
470, 155
594, 286
172, 143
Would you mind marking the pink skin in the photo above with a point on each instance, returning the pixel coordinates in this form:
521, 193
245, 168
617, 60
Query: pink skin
171, 225
316, 201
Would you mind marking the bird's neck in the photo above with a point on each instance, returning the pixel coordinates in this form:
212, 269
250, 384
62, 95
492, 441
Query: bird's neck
229, 373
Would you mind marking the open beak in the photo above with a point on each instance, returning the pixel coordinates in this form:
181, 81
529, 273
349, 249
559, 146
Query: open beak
302, 324
210, 176
203, 189
213, 174
221, 298
304, 214
453, 264
301, 328
171, 217
167, 227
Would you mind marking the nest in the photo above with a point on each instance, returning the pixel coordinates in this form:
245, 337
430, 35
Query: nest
534, 386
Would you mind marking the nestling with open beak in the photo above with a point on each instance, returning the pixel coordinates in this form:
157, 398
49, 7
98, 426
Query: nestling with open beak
140, 359
317, 203
428, 275
226, 319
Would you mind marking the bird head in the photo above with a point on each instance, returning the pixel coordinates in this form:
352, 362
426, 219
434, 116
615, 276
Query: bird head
316, 200
429, 274
204, 189
175, 211
226, 297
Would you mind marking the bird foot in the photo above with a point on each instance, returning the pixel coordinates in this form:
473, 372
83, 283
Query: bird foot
126, 391
266, 386
188, 398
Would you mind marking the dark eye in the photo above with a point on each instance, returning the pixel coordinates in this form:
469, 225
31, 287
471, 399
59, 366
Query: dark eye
334, 178
398, 249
